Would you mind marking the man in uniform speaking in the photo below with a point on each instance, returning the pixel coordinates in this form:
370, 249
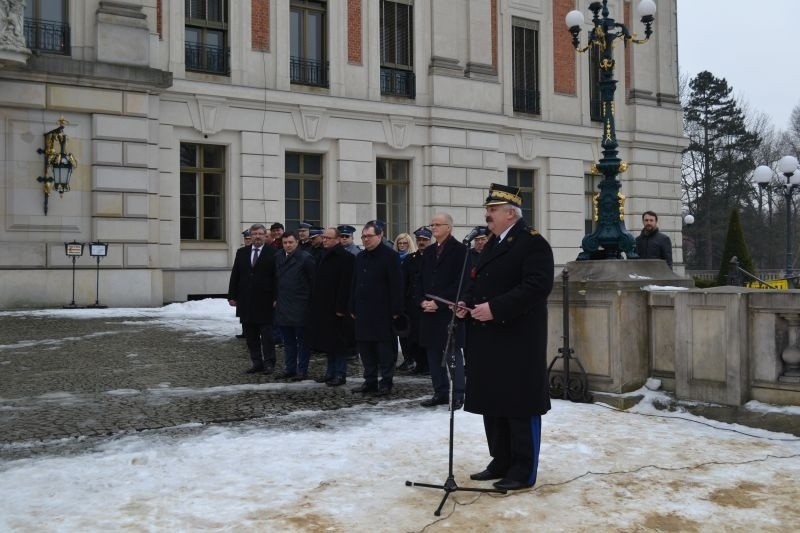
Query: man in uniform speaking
506, 340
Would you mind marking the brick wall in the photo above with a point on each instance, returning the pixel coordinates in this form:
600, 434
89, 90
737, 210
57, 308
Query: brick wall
354, 32
565, 77
259, 25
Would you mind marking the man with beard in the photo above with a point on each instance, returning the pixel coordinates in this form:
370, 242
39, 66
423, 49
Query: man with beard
651, 243
415, 360
376, 299
440, 275
506, 341
251, 290
333, 330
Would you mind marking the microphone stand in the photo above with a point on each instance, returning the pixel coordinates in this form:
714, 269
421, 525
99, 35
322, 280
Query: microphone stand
451, 351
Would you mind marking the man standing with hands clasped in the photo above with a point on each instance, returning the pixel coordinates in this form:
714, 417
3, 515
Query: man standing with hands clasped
506, 341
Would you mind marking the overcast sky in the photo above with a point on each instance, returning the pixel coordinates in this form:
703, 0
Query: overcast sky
753, 45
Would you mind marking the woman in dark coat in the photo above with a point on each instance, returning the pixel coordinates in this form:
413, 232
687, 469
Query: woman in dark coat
330, 327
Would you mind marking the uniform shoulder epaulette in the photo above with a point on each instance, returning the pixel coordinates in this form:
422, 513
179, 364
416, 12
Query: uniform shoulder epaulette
532, 231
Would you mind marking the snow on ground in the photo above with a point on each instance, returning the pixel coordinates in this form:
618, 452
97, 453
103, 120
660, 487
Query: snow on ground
600, 469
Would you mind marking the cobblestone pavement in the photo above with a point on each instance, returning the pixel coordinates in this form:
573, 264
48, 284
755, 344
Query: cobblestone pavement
66, 382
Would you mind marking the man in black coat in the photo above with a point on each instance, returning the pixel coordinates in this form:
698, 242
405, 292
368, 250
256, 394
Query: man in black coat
415, 359
506, 342
651, 243
331, 328
251, 290
376, 300
294, 271
442, 266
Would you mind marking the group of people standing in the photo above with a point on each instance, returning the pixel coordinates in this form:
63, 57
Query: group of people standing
342, 300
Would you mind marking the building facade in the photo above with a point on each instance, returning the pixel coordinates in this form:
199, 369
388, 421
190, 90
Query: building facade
192, 119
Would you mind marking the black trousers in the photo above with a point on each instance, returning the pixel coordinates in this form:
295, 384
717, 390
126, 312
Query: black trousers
260, 345
378, 358
514, 446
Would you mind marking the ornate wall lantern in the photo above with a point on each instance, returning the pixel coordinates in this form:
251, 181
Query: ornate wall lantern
58, 163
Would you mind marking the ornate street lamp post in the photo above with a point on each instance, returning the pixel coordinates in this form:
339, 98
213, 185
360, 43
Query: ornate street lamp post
610, 238
787, 182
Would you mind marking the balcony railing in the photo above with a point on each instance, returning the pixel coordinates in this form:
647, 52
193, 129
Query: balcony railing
47, 36
206, 58
308, 72
527, 101
396, 82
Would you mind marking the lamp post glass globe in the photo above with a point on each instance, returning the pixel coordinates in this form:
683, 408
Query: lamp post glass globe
574, 19
646, 8
762, 175
787, 165
688, 220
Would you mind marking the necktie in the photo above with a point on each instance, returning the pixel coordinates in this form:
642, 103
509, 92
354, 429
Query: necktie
255, 256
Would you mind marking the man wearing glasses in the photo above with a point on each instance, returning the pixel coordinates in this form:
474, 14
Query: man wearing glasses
442, 265
376, 300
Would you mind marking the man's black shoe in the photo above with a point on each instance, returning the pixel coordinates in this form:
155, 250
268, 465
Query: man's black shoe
240, 336
299, 377
364, 388
510, 484
383, 391
458, 404
254, 369
285, 375
324, 379
336, 381
434, 401
486, 475
269, 369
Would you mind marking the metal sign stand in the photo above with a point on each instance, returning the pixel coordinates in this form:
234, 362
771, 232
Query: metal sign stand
98, 250
74, 250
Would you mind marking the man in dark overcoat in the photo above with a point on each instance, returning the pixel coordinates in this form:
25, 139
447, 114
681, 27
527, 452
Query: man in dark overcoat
294, 270
506, 341
376, 300
442, 266
415, 359
333, 330
251, 290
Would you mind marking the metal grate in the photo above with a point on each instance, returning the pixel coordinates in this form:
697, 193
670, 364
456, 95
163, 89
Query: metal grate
308, 72
397, 82
47, 36
207, 58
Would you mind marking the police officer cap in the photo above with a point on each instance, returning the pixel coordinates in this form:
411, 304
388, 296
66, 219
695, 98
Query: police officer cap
424, 232
246, 233
305, 225
503, 194
276, 225
313, 231
346, 230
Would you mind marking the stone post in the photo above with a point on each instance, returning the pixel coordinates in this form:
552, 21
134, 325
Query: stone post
791, 354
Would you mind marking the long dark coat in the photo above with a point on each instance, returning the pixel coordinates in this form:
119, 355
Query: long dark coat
376, 293
253, 288
410, 267
439, 276
294, 275
507, 356
330, 294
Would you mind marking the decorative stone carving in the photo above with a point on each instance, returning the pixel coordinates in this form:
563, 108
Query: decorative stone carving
526, 146
310, 123
12, 38
208, 114
398, 131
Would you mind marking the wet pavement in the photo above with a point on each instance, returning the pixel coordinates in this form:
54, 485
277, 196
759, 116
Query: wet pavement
65, 383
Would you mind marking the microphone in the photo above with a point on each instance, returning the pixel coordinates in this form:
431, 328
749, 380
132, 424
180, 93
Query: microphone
472, 234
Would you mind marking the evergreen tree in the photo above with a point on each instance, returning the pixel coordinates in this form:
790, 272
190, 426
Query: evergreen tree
735, 245
717, 164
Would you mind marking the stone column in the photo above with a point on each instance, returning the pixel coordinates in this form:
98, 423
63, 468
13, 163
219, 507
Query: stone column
12, 40
791, 354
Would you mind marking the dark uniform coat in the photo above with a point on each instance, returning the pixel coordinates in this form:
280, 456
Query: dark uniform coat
507, 356
410, 267
293, 291
253, 288
376, 293
439, 276
330, 295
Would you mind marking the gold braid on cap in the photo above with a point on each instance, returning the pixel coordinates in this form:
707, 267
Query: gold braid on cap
503, 195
